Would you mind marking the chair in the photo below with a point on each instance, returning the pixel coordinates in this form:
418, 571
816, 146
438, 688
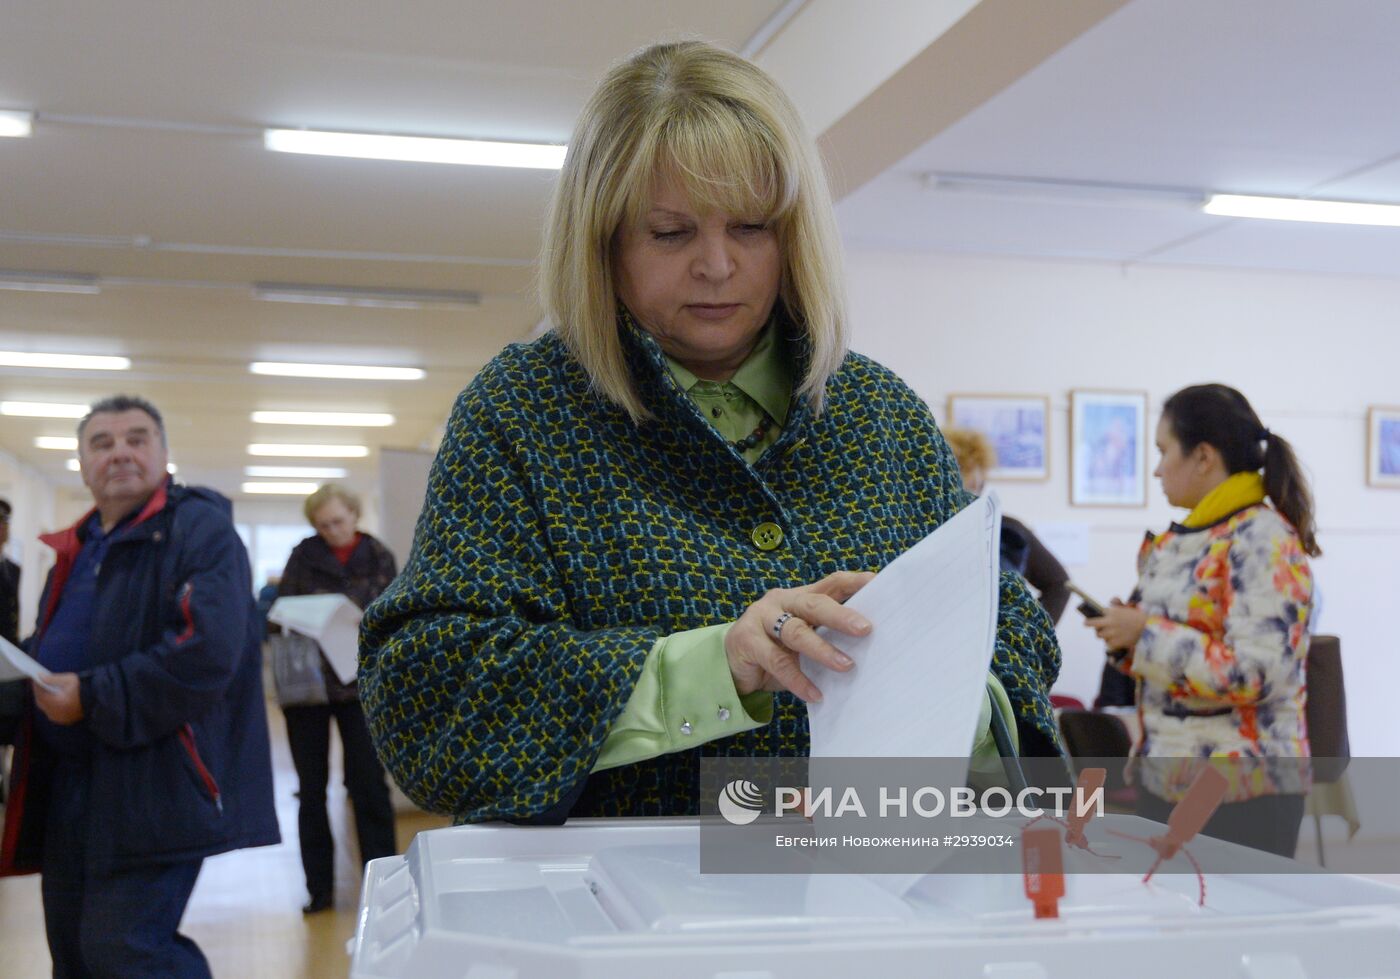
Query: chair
1061, 701
1326, 716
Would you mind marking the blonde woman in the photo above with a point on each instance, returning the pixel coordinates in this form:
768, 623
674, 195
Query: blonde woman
338, 559
636, 524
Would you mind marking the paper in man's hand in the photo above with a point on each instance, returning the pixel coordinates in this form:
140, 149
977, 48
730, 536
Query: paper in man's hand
15, 664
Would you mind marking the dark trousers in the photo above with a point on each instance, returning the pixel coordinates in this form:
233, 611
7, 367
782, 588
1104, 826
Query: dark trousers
1266, 822
309, 735
119, 924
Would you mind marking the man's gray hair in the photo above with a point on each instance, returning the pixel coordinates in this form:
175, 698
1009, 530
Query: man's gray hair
118, 403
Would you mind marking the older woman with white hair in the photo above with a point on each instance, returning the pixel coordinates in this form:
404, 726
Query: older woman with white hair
636, 524
338, 559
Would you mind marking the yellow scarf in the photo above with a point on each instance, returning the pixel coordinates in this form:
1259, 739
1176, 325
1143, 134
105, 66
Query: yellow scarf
1236, 493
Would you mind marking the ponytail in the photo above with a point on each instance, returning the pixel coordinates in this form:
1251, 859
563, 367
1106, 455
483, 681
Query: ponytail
1221, 417
1288, 488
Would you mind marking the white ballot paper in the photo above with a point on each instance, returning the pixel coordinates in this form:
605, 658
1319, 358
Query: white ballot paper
332, 620
15, 664
917, 686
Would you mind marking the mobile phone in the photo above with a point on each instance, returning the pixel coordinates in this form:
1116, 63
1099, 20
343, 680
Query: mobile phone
1089, 608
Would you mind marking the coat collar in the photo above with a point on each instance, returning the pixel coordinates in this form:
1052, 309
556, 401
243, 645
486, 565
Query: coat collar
665, 396
69, 542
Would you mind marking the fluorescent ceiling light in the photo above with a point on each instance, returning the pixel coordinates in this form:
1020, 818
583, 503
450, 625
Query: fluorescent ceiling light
362, 296
74, 282
1045, 191
1297, 209
68, 362
63, 443
416, 149
16, 123
40, 409
354, 419
309, 451
348, 371
283, 489
295, 472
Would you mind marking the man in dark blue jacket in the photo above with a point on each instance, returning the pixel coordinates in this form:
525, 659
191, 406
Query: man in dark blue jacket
148, 750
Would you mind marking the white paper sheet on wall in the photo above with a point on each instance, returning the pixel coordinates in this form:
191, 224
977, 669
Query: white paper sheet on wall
1068, 540
917, 686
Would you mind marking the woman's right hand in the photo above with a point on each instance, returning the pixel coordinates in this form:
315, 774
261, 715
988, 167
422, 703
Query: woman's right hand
761, 658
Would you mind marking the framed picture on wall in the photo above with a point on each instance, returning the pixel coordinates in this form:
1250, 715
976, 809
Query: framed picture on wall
1018, 426
1108, 448
1383, 447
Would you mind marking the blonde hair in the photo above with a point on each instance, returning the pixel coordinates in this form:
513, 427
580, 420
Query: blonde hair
735, 141
325, 494
972, 449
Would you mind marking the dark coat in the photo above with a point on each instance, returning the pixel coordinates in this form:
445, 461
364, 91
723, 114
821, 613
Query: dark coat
9, 600
312, 569
180, 764
1041, 569
11, 691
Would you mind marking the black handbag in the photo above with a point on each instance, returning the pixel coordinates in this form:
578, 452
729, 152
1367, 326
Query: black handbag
296, 670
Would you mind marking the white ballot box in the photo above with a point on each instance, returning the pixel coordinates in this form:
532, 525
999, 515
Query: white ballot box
624, 899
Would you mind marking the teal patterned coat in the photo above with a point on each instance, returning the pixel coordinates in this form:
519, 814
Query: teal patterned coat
560, 540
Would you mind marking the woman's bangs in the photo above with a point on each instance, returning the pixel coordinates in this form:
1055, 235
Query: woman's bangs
729, 168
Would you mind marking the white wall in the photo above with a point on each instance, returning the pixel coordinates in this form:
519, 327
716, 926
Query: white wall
1310, 352
33, 498
403, 483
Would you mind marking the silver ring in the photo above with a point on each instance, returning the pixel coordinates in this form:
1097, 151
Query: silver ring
778, 625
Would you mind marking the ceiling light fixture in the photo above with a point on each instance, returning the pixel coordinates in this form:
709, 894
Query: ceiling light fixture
282, 489
1302, 209
72, 282
309, 451
295, 472
416, 149
67, 362
344, 371
1048, 191
1089, 192
14, 123
362, 296
63, 443
41, 409
353, 419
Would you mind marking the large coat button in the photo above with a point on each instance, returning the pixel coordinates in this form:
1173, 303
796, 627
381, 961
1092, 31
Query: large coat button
767, 536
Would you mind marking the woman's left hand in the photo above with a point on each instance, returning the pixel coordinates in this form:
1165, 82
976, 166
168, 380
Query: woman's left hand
1120, 626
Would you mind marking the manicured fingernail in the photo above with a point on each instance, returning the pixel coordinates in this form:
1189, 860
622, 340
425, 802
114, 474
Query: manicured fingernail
860, 625
844, 660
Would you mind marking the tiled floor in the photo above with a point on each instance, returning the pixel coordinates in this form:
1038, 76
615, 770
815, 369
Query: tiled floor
246, 908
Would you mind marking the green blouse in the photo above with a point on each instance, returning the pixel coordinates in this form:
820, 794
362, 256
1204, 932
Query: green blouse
685, 695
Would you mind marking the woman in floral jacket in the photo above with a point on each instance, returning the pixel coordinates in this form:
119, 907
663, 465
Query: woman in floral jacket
1218, 638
